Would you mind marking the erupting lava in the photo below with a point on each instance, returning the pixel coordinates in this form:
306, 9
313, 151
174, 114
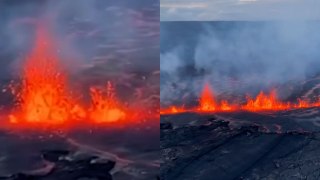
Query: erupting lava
105, 108
44, 96
263, 102
207, 102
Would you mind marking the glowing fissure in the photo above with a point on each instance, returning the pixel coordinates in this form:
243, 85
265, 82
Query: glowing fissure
262, 102
44, 97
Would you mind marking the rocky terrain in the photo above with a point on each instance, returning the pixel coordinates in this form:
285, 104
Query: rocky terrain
241, 145
92, 153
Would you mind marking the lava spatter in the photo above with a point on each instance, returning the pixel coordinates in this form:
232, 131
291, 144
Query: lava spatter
44, 95
105, 107
265, 102
207, 101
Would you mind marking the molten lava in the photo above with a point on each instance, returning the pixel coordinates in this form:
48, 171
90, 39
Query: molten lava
44, 96
225, 106
105, 107
173, 110
207, 101
263, 102
304, 104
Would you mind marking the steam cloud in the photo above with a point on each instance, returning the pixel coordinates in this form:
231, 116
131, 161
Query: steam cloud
235, 57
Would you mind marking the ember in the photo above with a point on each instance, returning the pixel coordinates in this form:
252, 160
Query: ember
44, 95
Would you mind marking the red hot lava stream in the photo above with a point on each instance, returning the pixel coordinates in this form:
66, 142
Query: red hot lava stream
263, 102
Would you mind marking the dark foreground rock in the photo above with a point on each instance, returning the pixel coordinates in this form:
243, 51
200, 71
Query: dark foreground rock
66, 168
86, 153
215, 150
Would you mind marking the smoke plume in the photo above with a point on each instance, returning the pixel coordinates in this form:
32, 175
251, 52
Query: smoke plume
235, 57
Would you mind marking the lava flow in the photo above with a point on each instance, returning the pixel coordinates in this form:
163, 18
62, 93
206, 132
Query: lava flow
44, 95
263, 102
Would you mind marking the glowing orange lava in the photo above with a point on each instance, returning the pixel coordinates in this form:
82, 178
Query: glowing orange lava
225, 106
44, 96
105, 107
173, 110
263, 102
303, 104
207, 101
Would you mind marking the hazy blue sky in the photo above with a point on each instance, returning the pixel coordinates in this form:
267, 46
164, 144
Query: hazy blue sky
201, 10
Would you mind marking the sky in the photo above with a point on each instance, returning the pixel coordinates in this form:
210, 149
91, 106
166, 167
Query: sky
210, 10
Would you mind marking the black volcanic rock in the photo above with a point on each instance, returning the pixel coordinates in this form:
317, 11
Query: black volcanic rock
165, 125
246, 147
54, 155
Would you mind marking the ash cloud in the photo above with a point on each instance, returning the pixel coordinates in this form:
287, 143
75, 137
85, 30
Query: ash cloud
235, 57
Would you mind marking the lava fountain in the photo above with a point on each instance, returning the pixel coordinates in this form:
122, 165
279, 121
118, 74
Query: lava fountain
207, 101
266, 102
44, 96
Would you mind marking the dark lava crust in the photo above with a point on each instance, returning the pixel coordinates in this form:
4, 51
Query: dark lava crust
210, 148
